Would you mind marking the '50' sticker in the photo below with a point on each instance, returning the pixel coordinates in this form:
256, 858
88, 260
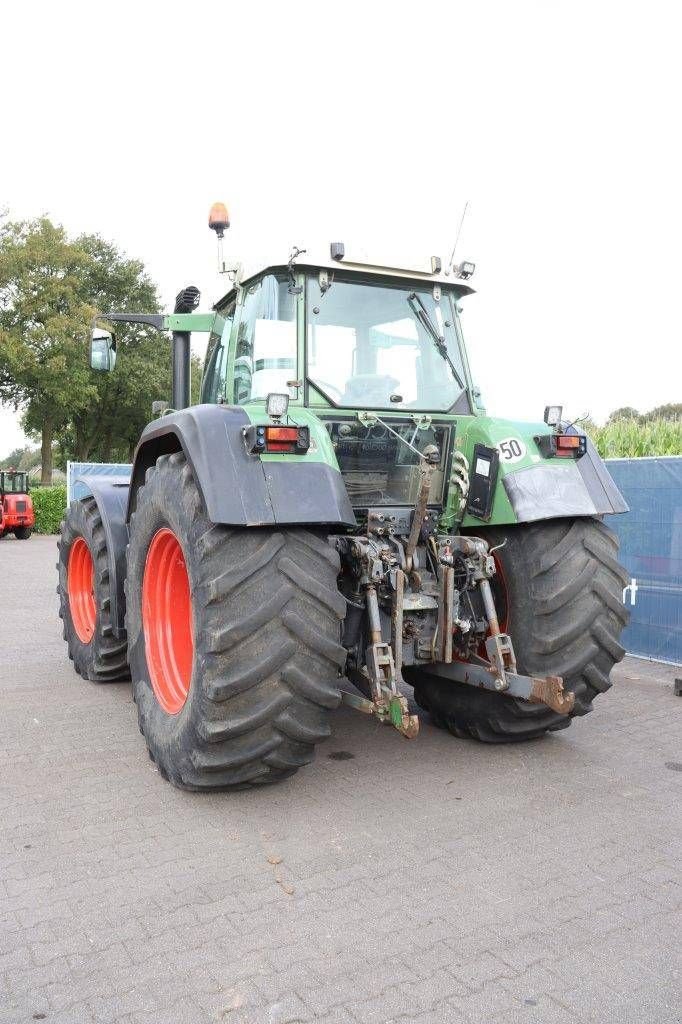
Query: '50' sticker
511, 449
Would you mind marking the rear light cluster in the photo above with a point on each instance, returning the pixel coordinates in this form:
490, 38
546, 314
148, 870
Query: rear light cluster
563, 446
276, 439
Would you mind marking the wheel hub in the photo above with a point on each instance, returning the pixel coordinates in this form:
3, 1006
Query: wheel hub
167, 621
80, 572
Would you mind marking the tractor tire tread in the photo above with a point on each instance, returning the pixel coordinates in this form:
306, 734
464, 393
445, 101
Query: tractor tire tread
267, 642
105, 658
565, 587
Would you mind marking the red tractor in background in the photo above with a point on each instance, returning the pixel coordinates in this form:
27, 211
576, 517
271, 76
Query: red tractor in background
16, 508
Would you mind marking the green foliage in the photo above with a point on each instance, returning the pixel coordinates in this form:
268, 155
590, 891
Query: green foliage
195, 377
50, 289
636, 438
21, 458
671, 411
43, 325
50, 505
108, 428
629, 434
625, 413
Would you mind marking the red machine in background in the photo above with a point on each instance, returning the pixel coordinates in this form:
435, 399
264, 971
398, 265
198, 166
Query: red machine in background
16, 508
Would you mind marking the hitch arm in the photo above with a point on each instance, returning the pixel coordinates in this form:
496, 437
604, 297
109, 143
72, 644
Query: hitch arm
383, 669
547, 690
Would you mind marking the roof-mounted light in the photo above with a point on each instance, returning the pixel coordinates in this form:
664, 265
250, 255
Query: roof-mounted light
218, 219
464, 270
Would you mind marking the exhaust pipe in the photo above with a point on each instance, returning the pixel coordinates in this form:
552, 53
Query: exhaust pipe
186, 302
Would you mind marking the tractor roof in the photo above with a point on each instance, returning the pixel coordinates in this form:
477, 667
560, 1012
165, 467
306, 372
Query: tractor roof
428, 271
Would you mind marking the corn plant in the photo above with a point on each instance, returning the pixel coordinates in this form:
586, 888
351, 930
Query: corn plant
633, 438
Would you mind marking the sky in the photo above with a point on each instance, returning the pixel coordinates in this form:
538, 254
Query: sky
374, 124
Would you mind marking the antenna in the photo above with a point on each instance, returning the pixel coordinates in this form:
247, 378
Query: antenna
459, 232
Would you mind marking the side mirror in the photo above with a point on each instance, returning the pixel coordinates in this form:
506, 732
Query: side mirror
102, 350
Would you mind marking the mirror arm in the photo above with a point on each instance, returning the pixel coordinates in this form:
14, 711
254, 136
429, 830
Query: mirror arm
180, 324
153, 319
204, 323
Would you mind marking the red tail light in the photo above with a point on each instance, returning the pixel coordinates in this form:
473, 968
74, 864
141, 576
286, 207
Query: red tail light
277, 439
281, 434
281, 439
564, 446
571, 445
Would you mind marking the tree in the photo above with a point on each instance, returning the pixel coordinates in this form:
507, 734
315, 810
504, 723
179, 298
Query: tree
21, 458
626, 412
671, 411
107, 428
12, 459
42, 327
50, 289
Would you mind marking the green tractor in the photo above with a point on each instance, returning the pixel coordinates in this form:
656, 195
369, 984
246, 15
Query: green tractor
338, 521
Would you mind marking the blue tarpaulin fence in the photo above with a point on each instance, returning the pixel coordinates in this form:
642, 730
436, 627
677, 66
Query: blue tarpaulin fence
650, 537
77, 489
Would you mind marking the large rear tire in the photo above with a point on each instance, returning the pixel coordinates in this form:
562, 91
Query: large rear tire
560, 592
234, 638
85, 596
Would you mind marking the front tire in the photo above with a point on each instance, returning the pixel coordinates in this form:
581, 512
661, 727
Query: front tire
560, 590
22, 532
85, 596
240, 694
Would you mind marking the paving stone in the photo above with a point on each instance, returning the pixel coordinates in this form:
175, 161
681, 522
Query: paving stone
548, 894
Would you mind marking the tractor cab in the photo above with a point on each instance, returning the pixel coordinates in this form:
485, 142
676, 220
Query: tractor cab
17, 516
13, 482
351, 336
375, 353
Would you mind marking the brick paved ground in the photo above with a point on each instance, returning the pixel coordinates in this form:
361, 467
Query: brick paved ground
433, 881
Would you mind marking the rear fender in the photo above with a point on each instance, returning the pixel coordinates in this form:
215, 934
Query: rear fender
531, 487
239, 489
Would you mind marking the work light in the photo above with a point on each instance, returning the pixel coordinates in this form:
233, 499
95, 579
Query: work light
276, 405
552, 415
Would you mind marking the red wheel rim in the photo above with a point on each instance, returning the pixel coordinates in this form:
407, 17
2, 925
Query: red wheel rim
80, 586
167, 621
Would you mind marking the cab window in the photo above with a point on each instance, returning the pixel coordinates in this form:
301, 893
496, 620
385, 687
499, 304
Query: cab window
384, 345
265, 353
215, 370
